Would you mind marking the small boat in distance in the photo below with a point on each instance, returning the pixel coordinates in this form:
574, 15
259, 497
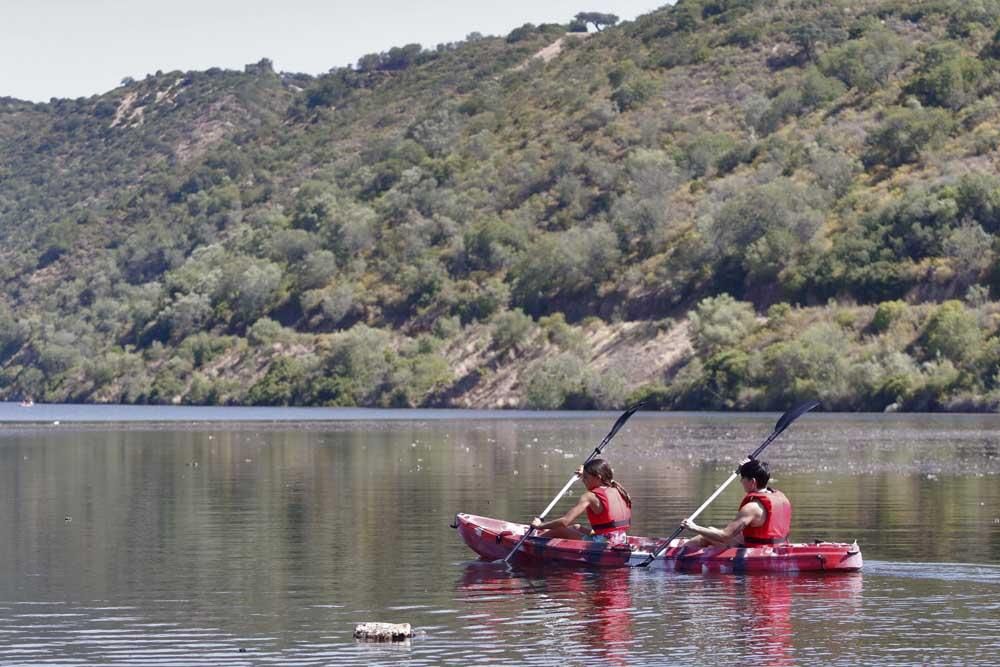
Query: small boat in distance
493, 539
27, 403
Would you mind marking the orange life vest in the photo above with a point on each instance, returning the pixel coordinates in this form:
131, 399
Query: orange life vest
776, 526
615, 515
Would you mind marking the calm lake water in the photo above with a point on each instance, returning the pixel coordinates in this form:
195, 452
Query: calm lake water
258, 540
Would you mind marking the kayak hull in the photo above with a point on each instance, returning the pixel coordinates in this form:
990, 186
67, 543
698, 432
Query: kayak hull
493, 539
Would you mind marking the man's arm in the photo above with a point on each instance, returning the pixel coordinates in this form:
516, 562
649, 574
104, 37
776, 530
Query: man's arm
733, 531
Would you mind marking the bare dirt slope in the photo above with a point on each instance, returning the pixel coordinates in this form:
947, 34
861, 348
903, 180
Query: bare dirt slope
640, 352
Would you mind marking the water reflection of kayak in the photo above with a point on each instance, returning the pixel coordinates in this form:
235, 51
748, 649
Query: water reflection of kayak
493, 539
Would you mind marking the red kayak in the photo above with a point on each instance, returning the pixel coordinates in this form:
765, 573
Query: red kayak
493, 539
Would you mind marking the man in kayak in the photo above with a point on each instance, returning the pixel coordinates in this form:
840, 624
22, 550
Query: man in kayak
606, 502
764, 517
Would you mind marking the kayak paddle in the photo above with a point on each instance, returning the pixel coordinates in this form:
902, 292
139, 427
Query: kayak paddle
597, 451
783, 423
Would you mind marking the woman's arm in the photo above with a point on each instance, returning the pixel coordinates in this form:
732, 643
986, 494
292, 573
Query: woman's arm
588, 499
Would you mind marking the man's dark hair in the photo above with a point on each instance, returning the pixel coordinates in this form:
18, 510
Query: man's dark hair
757, 470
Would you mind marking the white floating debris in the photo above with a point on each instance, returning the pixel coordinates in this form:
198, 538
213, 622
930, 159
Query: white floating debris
383, 632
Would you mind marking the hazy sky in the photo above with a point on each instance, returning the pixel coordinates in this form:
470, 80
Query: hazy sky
74, 48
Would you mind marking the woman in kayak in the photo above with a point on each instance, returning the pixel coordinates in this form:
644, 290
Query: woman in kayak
606, 502
764, 517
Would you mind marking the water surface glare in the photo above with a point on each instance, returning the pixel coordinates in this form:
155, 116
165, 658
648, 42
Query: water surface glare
257, 540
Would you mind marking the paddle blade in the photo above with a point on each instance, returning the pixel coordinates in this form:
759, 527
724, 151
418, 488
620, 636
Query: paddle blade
786, 419
618, 424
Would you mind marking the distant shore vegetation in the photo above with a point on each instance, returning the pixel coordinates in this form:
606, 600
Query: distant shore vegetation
725, 204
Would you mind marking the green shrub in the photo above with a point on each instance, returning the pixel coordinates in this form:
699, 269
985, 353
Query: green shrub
356, 367
282, 384
704, 150
447, 328
634, 92
866, 63
554, 380
812, 365
417, 377
492, 244
745, 35
201, 391
655, 396
170, 381
202, 348
818, 90
13, 332
478, 302
775, 220
316, 269
511, 328
953, 333
56, 356
786, 103
834, 171
631, 85
904, 134
978, 197
845, 319
560, 333
526, 31
777, 313
248, 288
265, 331
949, 79
330, 305
886, 313
720, 322
726, 373
937, 380
566, 264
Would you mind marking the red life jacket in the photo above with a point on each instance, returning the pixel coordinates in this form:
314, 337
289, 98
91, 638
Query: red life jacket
778, 522
615, 515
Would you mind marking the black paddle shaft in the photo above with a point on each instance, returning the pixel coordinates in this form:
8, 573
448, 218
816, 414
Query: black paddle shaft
783, 422
597, 451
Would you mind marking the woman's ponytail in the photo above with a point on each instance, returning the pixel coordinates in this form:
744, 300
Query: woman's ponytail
623, 492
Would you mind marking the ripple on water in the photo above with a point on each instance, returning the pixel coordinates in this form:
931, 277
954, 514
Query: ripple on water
964, 572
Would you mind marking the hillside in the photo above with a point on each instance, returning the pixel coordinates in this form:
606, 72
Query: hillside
723, 204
